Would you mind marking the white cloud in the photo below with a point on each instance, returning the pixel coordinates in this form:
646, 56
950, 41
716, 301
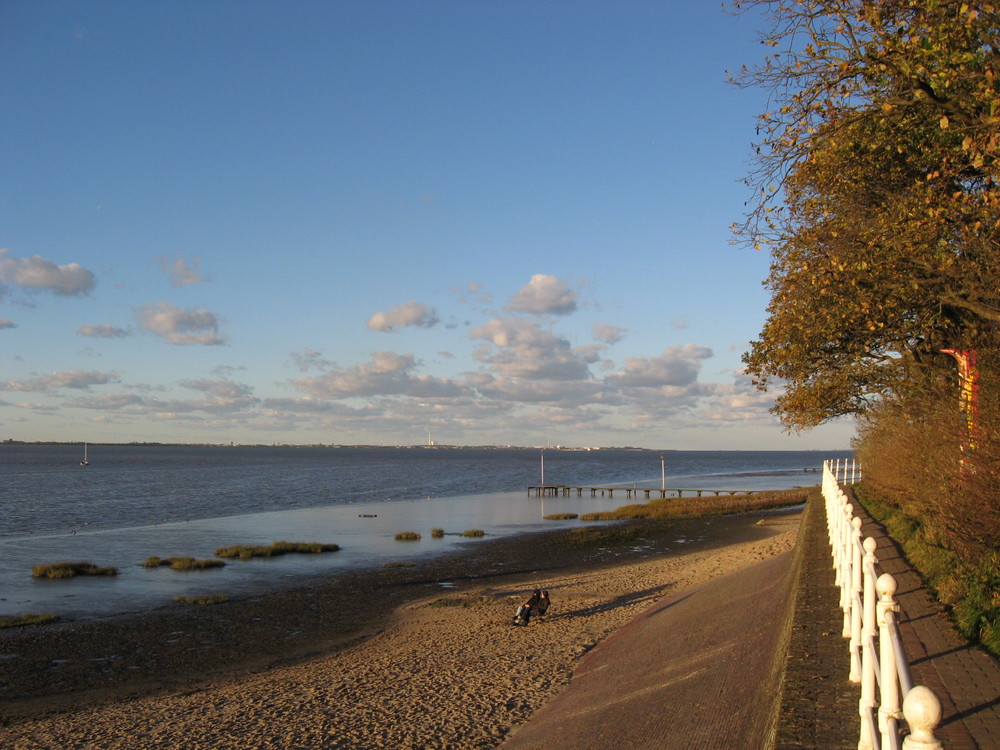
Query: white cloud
387, 374
180, 273
544, 295
37, 273
298, 405
70, 379
408, 314
4, 323
677, 366
473, 293
608, 333
180, 326
102, 331
310, 359
109, 401
221, 397
28, 406
525, 350
563, 392
224, 389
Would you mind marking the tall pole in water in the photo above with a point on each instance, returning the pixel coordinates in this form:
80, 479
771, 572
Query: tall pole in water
663, 474
543, 467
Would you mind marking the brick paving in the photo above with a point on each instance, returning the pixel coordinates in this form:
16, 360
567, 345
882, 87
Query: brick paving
964, 677
819, 704
702, 669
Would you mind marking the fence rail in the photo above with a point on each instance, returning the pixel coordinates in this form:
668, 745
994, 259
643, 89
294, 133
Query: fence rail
878, 661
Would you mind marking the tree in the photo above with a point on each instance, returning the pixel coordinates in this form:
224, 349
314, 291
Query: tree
876, 183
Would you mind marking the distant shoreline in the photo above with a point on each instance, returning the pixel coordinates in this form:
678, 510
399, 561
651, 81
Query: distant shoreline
418, 446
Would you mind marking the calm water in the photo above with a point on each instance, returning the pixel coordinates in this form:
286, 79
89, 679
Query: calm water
132, 502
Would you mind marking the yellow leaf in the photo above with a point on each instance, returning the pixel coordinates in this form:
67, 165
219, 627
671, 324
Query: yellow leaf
944, 122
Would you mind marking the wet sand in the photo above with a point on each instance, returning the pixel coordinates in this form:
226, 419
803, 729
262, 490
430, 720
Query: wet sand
422, 657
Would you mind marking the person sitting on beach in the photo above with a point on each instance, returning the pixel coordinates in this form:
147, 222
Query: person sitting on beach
524, 611
543, 604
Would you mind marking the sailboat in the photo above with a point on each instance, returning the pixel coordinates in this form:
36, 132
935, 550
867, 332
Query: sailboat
85, 462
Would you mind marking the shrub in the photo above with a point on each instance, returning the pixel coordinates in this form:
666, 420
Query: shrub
968, 588
15, 621
474, 532
437, 533
408, 536
71, 569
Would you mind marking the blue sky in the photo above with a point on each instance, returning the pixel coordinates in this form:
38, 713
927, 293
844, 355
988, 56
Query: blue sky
354, 222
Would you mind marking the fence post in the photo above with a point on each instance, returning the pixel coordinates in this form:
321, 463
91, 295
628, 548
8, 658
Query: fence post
889, 708
922, 710
866, 705
846, 557
857, 573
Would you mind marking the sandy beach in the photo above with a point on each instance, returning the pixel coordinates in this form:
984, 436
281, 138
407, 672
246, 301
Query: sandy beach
422, 658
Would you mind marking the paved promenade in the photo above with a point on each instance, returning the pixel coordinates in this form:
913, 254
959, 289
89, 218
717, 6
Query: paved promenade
965, 678
700, 670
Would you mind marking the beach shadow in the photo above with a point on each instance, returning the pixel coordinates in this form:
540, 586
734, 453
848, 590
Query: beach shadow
636, 597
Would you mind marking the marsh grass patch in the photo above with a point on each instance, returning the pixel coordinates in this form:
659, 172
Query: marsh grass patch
408, 536
474, 533
560, 516
684, 507
62, 570
248, 551
183, 563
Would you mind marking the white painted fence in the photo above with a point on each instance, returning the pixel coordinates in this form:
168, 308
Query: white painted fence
869, 605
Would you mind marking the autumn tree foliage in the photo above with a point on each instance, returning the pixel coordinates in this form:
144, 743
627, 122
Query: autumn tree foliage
876, 192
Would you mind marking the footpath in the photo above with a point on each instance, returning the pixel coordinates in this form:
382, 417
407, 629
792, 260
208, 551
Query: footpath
965, 678
756, 659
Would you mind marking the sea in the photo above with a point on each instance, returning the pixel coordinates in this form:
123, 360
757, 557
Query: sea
132, 502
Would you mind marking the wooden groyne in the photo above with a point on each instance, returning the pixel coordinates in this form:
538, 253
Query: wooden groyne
557, 490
